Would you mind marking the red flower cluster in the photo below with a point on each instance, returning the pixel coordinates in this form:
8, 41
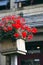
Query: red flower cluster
8, 23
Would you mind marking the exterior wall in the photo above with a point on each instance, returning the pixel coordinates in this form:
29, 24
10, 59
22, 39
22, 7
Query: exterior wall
2, 60
31, 10
12, 5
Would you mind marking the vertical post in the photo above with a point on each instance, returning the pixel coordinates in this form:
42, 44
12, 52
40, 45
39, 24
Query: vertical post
14, 60
12, 4
2, 60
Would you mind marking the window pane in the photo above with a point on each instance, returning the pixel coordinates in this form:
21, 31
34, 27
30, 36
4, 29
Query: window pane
30, 62
4, 4
29, 2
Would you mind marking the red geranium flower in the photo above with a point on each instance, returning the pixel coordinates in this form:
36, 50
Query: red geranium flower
22, 27
34, 30
8, 17
17, 26
0, 24
18, 21
5, 29
9, 28
3, 19
9, 23
16, 35
12, 17
30, 36
23, 20
28, 28
13, 25
24, 34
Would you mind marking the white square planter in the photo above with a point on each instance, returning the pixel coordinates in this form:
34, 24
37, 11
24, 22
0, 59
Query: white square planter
21, 46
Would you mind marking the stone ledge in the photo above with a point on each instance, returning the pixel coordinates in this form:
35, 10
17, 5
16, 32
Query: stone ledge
31, 10
14, 52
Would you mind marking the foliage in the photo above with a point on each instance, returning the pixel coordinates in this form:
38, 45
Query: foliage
14, 27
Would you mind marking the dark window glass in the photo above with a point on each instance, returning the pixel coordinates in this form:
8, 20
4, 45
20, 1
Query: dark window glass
30, 2
4, 4
30, 62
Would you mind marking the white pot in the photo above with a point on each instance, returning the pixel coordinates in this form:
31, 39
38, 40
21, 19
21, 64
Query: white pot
21, 46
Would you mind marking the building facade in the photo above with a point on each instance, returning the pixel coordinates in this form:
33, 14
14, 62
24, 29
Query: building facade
33, 13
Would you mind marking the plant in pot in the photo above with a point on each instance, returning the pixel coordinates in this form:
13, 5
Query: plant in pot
15, 28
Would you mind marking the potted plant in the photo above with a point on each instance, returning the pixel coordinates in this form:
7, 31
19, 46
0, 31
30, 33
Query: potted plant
13, 34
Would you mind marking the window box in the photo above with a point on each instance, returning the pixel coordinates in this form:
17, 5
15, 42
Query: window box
8, 47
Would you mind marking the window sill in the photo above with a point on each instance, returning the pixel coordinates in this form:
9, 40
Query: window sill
32, 10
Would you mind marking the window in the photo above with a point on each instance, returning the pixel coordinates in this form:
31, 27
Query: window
34, 47
30, 62
4, 4
29, 2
